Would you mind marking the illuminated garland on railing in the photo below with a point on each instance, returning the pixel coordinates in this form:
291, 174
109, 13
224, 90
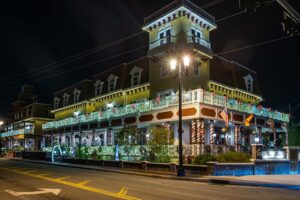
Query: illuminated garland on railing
146, 106
15, 132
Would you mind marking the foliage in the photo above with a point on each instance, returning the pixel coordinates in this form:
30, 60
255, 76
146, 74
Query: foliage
83, 152
230, 156
127, 138
294, 134
158, 143
203, 159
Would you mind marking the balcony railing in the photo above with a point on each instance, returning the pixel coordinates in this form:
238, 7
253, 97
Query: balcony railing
198, 40
16, 132
172, 39
162, 41
195, 96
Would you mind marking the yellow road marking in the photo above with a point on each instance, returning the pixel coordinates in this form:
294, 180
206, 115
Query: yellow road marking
84, 182
30, 171
123, 191
45, 174
64, 177
76, 185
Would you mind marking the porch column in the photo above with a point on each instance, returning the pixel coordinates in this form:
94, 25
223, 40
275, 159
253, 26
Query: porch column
201, 132
211, 132
259, 135
193, 134
198, 131
236, 137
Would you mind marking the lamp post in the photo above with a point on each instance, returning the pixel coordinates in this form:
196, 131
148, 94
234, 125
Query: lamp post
173, 64
1, 124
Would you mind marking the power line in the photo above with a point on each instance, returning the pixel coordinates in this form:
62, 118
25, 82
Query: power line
254, 45
80, 67
212, 3
232, 15
70, 59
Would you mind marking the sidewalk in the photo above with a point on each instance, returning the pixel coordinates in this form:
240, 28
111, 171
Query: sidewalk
274, 181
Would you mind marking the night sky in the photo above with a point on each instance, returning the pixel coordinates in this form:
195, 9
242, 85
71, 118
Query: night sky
36, 34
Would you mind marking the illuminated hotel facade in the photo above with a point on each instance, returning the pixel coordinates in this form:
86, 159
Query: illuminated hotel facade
144, 93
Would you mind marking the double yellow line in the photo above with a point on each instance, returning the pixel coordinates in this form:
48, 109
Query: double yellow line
81, 185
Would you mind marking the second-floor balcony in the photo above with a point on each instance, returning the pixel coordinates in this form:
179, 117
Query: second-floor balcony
173, 39
16, 132
191, 97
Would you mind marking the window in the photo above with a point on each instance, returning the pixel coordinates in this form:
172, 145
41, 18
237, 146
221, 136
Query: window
55, 103
164, 71
66, 99
98, 87
135, 73
249, 82
196, 35
76, 95
165, 93
112, 81
197, 69
164, 36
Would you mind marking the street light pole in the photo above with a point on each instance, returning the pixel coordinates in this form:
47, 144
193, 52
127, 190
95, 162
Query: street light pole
180, 171
173, 63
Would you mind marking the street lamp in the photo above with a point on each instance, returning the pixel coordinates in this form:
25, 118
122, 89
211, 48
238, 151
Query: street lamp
1, 124
173, 63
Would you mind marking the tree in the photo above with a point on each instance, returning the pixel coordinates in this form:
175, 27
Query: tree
126, 138
158, 142
294, 134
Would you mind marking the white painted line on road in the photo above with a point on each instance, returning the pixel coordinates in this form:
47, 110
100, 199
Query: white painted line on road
42, 191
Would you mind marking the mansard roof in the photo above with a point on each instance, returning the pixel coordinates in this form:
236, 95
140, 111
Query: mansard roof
232, 74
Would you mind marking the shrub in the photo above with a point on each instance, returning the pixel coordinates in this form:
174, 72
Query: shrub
203, 159
233, 157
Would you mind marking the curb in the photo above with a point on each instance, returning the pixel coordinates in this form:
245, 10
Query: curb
203, 180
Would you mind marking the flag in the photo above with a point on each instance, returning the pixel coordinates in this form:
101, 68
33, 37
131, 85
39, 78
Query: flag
224, 116
248, 119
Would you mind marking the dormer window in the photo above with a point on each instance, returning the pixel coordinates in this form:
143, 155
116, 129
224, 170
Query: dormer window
76, 95
66, 99
98, 87
55, 102
135, 76
112, 82
249, 82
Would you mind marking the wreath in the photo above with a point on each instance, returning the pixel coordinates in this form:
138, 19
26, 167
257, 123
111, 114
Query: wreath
143, 150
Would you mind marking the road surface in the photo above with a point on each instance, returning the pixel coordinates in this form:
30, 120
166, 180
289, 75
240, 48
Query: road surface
31, 181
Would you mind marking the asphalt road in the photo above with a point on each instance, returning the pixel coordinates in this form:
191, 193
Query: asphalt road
80, 184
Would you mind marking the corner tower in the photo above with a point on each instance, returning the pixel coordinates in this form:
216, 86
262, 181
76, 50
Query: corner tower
180, 26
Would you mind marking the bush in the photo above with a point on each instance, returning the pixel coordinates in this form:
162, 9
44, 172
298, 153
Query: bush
203, 159
237, 157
